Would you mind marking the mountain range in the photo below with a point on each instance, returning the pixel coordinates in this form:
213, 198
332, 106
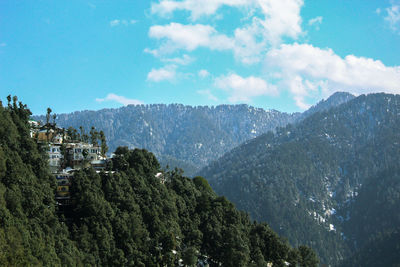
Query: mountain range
326, 177
184, 136
330, 181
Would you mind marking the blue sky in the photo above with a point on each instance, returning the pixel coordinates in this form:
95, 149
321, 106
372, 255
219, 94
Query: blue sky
274, 54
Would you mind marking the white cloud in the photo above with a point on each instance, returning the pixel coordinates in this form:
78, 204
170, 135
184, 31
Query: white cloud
188, 37
244, 89
197, 8
203, 74
120, 99
315, 21
248, 43
115, 22
168, 73
393, 16
282, 18
208, 94
177, 36
125, 22
184, 60
307, 70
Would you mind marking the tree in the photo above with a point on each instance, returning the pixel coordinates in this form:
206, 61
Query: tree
122, 150
9, 101
308, 258
85, 153
54, 120
48, 116
15, 100
189, 256
94, 135
104, 147
84, 136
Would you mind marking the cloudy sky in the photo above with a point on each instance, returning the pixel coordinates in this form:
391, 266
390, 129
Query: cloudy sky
274, 54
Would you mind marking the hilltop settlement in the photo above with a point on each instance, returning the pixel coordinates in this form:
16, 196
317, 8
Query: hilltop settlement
70, 150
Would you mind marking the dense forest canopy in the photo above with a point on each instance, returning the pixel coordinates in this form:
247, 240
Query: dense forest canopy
331, 181
128, 217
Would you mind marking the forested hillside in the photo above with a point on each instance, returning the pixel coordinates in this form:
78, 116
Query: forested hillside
184, 136
30, 231
373, 224
126, 217
330, 181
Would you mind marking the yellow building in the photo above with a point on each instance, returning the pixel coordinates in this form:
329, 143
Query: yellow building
63, 191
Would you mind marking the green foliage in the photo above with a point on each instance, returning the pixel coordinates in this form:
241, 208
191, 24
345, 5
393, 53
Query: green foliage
104, 147
374, 223
138, 159
308, 258
169, 162
30, 232
132, 218
341, 159
189, 256
128, 217
202, 184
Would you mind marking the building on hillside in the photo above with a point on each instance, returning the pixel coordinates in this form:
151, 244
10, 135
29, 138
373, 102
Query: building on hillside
34, 127
64, 180
99, 165
45, 135
57, 139
34, 124
78, 155
65, 156
49, 134
82, 154
55, 157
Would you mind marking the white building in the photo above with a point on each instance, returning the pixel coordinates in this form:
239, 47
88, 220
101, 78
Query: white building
55, 157
76, 153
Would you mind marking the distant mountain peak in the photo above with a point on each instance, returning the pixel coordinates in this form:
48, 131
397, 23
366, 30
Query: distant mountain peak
334, 100
341, 94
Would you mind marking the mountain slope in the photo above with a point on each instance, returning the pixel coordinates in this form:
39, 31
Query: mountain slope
303, 179
127, 217
374, 221
30, 232
179, 134
184, 136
